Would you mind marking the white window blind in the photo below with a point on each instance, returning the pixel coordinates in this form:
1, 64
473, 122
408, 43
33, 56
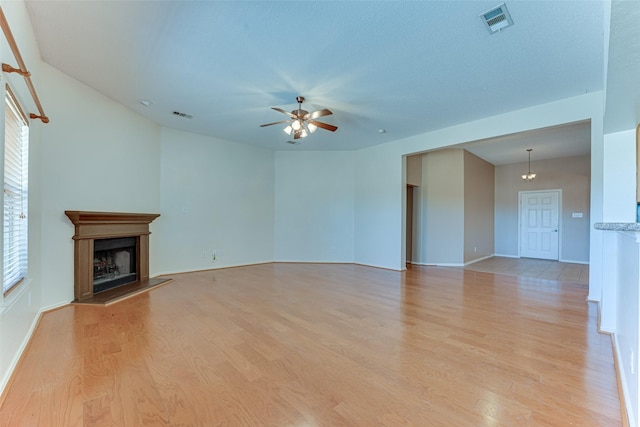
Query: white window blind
16, 155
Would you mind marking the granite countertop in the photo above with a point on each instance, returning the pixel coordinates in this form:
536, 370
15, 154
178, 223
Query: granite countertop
617, 226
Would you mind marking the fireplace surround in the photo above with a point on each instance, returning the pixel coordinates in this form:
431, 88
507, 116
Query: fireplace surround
98, 229
114, 262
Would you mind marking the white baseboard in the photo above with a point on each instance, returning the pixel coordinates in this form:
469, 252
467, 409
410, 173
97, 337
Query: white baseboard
506, 256
213, 267
16, 358
450, 264
570, 261
623, 383
376, 266
477, 260
592, 298
53, 307
434, 264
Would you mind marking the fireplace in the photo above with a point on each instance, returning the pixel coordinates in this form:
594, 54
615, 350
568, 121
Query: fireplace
114, 262
111, 249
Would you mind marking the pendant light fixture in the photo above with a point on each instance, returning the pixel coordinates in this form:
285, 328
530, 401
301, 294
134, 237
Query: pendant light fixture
528, 177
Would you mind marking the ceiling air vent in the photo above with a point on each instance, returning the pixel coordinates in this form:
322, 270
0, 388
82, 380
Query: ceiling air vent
497, 18
185, 115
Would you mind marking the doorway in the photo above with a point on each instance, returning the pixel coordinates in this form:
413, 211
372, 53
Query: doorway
409, 225
540, 224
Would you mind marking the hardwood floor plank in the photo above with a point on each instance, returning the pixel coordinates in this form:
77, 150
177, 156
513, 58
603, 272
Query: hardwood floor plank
314, 344
97, 412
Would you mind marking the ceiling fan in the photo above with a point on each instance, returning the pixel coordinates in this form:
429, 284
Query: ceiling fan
303, 123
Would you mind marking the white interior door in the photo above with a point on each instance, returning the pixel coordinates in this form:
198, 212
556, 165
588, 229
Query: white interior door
539, 220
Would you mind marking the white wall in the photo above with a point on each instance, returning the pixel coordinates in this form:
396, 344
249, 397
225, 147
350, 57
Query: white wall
596, 263
479, 207
314, 206
94, 154
626, 307
454, 208
217, 196
620, 205
379, 211
443, 207
19, 310
570, 174
97, 156
380, 184
619, 183
619, 300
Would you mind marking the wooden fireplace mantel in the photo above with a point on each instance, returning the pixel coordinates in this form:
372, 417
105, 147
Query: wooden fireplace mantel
105, 225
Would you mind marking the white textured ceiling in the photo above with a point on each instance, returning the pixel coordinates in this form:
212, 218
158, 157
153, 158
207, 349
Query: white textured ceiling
572, 139
404, 66
623, 76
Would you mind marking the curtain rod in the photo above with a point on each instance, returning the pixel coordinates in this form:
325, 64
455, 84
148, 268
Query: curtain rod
23, 68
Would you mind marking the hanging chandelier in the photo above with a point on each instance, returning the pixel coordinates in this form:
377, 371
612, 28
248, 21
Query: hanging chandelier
528, 177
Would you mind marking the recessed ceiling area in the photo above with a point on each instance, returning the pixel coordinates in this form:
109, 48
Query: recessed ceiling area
408, 67
573, 139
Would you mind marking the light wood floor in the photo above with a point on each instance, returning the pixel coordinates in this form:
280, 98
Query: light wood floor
530, 267
323, 345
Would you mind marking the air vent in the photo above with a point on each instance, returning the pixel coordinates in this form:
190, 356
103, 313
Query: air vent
185, 115
497, 18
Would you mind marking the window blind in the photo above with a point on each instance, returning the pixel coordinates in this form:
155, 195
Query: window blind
16, 154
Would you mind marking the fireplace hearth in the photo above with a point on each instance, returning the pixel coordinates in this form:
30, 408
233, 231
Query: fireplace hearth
111, 249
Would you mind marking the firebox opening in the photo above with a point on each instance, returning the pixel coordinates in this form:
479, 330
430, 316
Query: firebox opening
114, 262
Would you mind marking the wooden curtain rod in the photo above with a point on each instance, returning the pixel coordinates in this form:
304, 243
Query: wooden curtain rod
22, 70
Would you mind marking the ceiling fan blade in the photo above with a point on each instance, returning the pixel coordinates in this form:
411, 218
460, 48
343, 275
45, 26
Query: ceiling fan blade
325, 126
275, 123
280, 110
316, 114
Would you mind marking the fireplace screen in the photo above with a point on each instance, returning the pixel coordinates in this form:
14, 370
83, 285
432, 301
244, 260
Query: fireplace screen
114, 262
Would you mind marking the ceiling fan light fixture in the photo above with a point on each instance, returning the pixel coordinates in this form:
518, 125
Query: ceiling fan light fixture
301, 123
